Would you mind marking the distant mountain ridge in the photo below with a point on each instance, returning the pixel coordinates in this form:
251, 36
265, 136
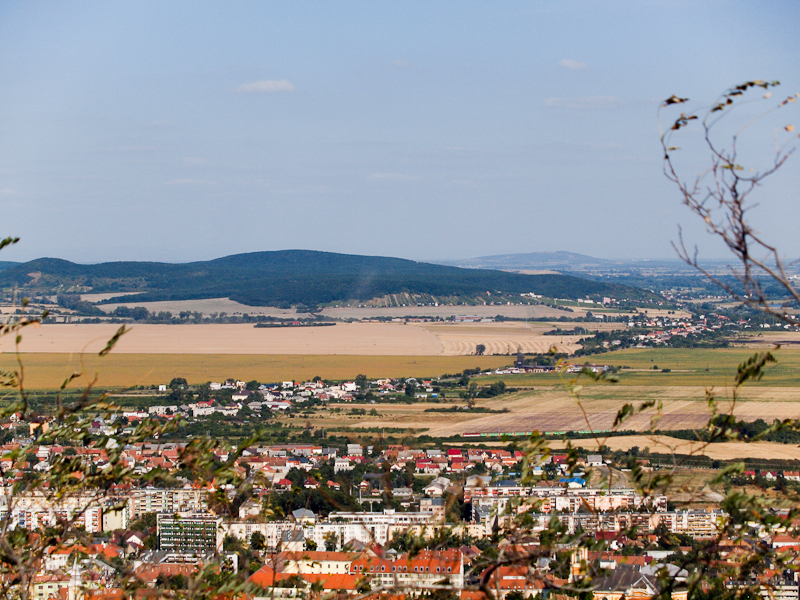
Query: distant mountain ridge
293, 277
574, 263
531, 260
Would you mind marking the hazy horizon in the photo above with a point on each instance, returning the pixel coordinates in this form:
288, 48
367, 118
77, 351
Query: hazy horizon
443, 261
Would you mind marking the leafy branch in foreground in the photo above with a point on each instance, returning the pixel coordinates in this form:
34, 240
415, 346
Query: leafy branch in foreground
720, 193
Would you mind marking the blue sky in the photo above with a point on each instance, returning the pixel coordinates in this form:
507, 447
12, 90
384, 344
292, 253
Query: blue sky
179, 131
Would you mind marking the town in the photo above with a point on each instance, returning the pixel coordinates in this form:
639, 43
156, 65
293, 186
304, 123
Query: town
343, 520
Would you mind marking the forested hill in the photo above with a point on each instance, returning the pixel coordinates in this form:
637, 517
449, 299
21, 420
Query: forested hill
292, 277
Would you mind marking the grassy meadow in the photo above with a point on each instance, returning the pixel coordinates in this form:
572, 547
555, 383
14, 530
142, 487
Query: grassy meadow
688, 367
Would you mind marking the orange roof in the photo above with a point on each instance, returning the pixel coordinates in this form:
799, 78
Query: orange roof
112, 594
333, 582
107, 550
266, 577
515, 577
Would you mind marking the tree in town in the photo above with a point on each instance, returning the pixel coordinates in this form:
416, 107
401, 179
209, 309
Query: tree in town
361, 382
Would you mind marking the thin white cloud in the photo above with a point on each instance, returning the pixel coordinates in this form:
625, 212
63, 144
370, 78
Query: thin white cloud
191, 182
266, 86
585, 102
572, 65
401, 64
396, 177
193, 161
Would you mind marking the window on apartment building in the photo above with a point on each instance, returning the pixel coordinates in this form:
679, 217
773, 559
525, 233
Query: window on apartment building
448, 569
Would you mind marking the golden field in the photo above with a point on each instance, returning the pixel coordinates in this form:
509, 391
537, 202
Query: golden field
368, 339
662, 444
48, 370
549, 408
209, 306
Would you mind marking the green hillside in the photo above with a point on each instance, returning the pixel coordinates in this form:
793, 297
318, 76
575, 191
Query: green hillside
292, 277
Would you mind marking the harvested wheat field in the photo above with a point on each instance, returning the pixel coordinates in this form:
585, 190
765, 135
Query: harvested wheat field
770, 339
48, 370
207, 306
368, 339
500, 338
551, 409
661, 444
518, 311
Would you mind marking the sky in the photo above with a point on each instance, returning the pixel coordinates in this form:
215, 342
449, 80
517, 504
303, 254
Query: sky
179, 131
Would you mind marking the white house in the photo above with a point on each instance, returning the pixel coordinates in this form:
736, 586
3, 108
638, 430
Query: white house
594, 460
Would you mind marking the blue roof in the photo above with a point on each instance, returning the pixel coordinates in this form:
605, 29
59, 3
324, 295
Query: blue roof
580, 480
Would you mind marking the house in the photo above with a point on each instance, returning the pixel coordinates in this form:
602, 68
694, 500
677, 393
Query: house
426, 568
516, 578
240, 395
783, 541
627, 582
342, 464
293, 540
594, 460
316, 562
573, 482
355, 450
303, 515
434, 506
437, 487
282, 485
402, 492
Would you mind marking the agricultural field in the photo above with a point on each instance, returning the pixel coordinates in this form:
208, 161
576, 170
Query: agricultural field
369, 339
767, 339
506, 337
661, 444
212, 305
207, 306
120, 370
687, 367
544, 404
153, 354
552, 409
517, 311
